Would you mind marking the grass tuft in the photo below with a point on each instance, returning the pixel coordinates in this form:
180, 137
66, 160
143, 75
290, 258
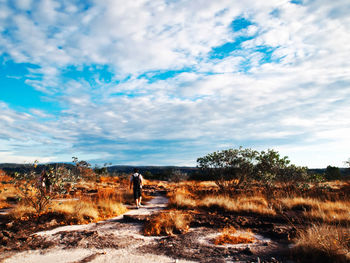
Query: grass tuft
230, 235
167, 223
323, 243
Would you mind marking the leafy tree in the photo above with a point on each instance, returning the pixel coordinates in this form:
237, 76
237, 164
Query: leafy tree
270, 165
178, 176
229, 168
332, 173
83, 169
32, 191
235, 167
101, 171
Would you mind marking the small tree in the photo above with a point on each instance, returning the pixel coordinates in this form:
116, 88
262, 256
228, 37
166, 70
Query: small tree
229, 168
270, 165
32, 191
234, 168
178, 176
332, 173
83, 169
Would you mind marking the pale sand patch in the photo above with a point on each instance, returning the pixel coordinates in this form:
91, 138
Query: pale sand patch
76, 255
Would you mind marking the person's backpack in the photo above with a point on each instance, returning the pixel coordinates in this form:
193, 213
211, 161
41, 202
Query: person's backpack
136, 180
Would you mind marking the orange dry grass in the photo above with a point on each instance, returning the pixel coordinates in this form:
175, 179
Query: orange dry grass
325, 211
323, 243
331, 212
86, 210
109, 208
168, 223
256, 204
181, 197
106, 193
4, 177
22, 211
82, 211
4, 204
6, 191
6, 188
110, 179
231, 236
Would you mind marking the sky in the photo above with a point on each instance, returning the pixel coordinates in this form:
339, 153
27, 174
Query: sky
163, 82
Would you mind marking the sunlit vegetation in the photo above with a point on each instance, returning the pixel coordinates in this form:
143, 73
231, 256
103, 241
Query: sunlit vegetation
7, 190
168, 223
230, 235
181, 198
323, 243
78, 198
325, 211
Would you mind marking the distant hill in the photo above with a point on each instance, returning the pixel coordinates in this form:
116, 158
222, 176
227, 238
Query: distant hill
155, 171
159, 172
343, 171
152, 169
23, 168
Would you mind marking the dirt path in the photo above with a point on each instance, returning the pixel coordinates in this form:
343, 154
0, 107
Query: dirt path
115, 240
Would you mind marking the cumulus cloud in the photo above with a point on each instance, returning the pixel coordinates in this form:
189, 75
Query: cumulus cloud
283, 81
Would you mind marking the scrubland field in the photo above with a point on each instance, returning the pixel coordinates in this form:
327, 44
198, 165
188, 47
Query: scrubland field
277, 222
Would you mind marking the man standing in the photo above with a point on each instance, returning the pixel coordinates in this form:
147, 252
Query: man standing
136, 180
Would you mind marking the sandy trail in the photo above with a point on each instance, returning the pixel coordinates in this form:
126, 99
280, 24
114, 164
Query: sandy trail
113, 240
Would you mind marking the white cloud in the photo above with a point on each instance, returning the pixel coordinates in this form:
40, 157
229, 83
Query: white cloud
24, 4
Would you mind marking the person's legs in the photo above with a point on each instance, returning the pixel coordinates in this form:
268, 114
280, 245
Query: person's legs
136, 197
140, 200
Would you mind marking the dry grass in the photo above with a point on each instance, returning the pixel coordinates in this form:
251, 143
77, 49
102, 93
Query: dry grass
323, 243
84, 211
182, 198
6, 188
109, 208
255, 204
4, 204
81, 211
325, 211
168, 223
22, 212
230, 235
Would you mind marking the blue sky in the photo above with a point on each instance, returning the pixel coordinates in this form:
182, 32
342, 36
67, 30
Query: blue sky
165, 82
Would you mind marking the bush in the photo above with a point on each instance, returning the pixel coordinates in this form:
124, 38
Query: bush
323, 243
332, 173
168, 223
229, 168
234, 168
36, 192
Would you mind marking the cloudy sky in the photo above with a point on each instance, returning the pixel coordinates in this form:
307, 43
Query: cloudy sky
163, 82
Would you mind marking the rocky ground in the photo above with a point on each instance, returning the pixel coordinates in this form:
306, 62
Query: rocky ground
120, 240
